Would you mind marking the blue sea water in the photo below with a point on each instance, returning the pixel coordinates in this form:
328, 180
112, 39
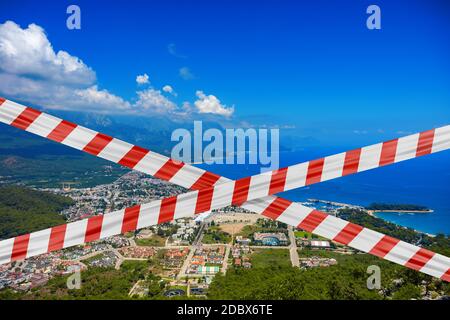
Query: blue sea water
422, 181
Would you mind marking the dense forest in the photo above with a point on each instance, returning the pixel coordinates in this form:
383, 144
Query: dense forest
24, 210
347, 280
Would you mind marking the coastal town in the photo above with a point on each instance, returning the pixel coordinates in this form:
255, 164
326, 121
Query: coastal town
186, 254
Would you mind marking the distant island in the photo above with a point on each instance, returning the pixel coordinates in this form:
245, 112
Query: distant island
387, 207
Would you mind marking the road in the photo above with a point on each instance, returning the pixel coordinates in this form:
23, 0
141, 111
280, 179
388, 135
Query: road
199, 236
89, 255
131, 292
186, 262
195, 244
293, 248
120, 258
225, 259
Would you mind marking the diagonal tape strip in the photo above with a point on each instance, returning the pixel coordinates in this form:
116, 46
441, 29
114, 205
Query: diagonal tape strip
243, 189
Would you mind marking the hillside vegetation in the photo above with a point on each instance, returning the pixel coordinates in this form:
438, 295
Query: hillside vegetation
24, 210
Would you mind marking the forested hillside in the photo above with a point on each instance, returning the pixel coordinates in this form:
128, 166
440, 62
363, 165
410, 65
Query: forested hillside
24, 210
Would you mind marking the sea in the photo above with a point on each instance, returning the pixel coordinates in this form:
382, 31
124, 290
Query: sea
422, 181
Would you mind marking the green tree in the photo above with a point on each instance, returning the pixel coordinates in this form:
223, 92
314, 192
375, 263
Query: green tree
407, 292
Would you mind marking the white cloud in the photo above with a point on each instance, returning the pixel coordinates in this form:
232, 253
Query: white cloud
210, 104
186, 73
102, 98
152, 100
60, 97
169, 89
31, 71
28, 52
142, 79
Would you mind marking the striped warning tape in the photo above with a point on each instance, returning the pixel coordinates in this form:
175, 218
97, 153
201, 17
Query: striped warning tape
229, 192
190, 177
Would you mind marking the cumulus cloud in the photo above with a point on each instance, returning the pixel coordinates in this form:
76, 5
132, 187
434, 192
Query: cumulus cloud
186, 73
169, 89
102, 98
153, 101
28, 52
55, 96
31, 71
210, 104
142, 79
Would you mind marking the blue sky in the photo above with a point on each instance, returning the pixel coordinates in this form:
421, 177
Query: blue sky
310, 64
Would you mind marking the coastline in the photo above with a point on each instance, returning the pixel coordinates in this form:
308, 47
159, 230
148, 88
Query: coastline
373, 213
426, 187
401, 211
400, 225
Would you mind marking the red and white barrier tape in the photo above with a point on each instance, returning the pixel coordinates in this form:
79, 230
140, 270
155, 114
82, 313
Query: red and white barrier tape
232, 192
190, 177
